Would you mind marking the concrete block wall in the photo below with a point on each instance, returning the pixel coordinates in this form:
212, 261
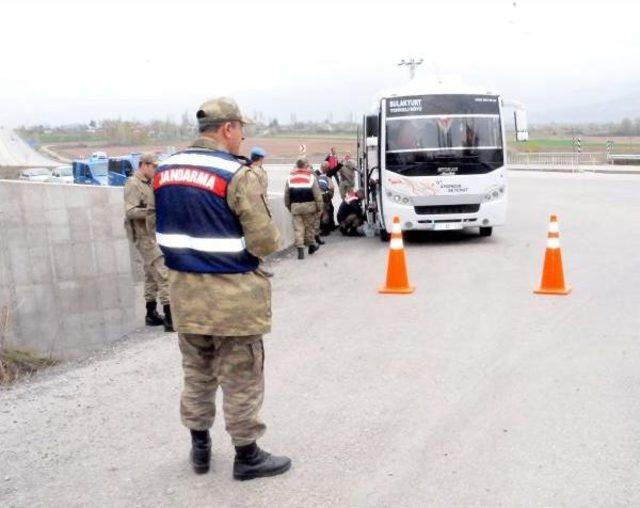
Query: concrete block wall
68, 276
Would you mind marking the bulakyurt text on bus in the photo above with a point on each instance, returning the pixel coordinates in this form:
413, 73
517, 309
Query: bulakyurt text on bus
435, 160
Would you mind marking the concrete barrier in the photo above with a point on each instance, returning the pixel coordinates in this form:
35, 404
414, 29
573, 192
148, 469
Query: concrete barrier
69, 279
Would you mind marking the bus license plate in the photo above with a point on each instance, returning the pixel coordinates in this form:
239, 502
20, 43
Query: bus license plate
447, 226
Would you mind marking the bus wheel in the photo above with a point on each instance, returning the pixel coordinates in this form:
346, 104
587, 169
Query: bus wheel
384, 236
486, 231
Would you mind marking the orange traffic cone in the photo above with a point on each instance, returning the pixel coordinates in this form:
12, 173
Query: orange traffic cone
552, 274
397, 277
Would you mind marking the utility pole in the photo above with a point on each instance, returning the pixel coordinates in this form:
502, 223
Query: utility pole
412, 64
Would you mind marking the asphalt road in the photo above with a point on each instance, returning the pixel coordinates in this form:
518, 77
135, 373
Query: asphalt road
473, 391
15, 152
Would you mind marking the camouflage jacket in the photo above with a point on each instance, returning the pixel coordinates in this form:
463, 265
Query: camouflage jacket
348, 172
236, 304
262, 175
139, 222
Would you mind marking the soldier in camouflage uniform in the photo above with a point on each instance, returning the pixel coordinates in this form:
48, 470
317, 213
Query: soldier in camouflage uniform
327, 222
303, 199
348, 172
221, 299
316, 222
257, 156
139, 207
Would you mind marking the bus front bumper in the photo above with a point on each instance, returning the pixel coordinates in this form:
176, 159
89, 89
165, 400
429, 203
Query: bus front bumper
489, 214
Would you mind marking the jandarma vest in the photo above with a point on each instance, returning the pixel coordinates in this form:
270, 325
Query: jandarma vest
351, 197
301, 186
196, 229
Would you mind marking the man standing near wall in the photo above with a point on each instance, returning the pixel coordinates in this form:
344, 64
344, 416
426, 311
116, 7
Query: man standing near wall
214, 225
140, 220
327, 222
257, 160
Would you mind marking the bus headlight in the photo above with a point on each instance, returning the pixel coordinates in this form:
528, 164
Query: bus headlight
399, 198
494, 193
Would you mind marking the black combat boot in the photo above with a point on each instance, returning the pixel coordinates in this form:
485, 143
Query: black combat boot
152, 318
252, 462
200, 451
168, 320
300, 252
313, 248
319, 240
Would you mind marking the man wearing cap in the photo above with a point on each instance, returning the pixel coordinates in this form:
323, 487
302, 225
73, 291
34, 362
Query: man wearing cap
303, 199
139, 209
214, 225
257, 159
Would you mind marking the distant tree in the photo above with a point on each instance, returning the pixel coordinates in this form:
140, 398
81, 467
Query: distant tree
626, 127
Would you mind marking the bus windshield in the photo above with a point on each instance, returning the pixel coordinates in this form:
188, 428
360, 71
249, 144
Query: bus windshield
99, 168
444, 134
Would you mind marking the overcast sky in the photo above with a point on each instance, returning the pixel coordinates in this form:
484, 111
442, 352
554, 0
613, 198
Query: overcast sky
73, 61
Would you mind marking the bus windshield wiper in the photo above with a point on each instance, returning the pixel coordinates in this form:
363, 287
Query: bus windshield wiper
476, 158
399, 168
405, 168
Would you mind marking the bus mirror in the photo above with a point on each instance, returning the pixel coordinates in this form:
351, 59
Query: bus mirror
372, 126
522, 131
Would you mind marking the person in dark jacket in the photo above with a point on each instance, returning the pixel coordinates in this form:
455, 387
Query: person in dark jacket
350, 215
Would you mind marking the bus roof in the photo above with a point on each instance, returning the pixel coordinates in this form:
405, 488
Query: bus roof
432, 86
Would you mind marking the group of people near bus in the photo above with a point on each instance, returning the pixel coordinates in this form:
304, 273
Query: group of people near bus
309, 195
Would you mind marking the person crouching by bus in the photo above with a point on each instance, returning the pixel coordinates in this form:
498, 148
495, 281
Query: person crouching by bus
350, 215
327, 221
303, 199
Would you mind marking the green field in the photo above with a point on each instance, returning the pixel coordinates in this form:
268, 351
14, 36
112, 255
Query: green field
589, 144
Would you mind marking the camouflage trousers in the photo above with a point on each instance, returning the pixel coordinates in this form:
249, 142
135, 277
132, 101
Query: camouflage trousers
236, 364
304, 229
349, 226
156, 281
316, 224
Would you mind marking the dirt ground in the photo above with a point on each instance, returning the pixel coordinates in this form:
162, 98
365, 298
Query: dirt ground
277, 148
